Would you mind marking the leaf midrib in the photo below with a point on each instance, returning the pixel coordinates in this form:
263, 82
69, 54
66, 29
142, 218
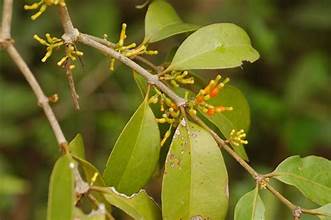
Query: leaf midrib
137, 138
302, 178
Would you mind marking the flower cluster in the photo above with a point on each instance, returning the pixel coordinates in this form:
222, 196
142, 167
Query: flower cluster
130, 50
237, 137
169, 110
54, 43
177, 78
210, 91
41, 6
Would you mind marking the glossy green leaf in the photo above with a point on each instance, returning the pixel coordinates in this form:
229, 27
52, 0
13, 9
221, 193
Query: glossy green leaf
162, 21
237, 119
311, 175
216, 46
139, 205
76, 146
136, 153
61, 195
195, 181
141, 83
250, 207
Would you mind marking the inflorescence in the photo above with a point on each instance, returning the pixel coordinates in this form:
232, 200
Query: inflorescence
54, 43
237, 137
131, 50
41, 6
210, 91
177, 77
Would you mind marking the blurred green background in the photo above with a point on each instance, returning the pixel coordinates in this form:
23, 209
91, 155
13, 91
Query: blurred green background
288, 90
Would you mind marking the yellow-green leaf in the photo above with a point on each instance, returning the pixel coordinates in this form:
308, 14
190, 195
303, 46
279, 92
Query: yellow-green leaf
216, 46
325, 212
61, 195
250, 207
76, 146
311, 175
162, 21
136, 153
138, 205
91, 173
195, 181
237, 119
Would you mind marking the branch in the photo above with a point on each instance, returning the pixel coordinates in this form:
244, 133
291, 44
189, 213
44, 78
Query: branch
157, 69
43, 101
152, 79
71, 35
6, 19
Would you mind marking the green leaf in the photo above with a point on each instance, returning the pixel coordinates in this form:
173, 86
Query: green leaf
237, 119
141, 83
76, 146
162, 21
138, 205
136, 152
325, 212
61, 197
311, 175
250, 207
195, 181
90, 171
216, 46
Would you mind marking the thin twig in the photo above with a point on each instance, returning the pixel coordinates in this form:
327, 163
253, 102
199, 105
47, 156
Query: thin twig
285, 201
227, 148
143, 60
72, 86
42, 99
152, 79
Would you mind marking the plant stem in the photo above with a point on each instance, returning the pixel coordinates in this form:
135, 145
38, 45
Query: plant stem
152, 79
227, 148
6, 19
6, 41
96, 203
42, 99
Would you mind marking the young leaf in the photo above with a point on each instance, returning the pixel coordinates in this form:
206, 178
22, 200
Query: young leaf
76, 146
250, 207
141, 83
215, 46
90, 172
195, 181
325, 212
311, 175
237, 119
138, 205
61, 195
162, 21
136, 152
